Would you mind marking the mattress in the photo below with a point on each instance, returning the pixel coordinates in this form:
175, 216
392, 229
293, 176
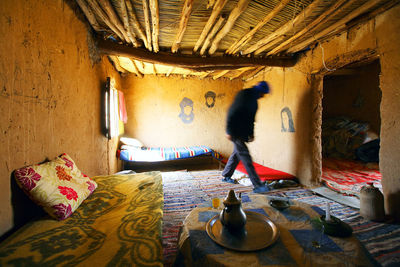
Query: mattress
155, 154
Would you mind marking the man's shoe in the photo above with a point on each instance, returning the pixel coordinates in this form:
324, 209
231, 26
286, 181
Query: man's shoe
229, 180
261, 189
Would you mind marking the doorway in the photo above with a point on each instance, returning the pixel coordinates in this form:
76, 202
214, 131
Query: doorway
351, 128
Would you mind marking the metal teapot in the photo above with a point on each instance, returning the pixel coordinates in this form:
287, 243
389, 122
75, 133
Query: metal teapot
232, 216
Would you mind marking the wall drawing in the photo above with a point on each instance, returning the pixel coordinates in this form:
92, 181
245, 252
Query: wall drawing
287, 120
186, 114
210, 99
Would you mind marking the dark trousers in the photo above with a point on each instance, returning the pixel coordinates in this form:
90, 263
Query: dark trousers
241, 153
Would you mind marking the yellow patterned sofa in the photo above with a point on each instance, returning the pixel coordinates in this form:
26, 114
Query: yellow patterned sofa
119, 224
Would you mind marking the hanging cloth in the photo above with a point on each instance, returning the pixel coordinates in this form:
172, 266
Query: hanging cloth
122, 108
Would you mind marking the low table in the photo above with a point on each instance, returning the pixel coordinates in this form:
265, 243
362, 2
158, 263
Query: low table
299, 243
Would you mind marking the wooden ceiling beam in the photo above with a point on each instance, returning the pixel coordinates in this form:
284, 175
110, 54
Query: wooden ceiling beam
338, 26
155, 21
323, 17
220, 74
146, 11
192, 62
233, 16
125, 20
186, 11
248, 36
240, 73
310, 9
211, 35
103, 16
136, 69
214, 14
253, 74
117, 65
89, 15
134, 22
106, 5
170, 70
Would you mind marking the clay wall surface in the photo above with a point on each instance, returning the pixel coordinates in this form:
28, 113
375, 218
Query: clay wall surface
172, 111
283, 123
50, 93
377, 38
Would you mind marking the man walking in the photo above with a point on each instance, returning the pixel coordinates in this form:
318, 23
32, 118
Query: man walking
240, 129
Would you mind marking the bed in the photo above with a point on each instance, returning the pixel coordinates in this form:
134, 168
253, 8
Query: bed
120, 223
155, 158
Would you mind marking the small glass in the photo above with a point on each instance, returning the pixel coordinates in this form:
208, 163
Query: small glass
215, 203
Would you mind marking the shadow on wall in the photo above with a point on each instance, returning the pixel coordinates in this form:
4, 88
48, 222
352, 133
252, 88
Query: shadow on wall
23, 208
392, 208
303, 147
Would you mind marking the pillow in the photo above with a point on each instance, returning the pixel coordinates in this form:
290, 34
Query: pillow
58, 185
131, 142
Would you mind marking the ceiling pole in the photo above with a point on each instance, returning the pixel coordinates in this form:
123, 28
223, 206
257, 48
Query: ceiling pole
125, 20
133, 22
272, 43
310, 9
214, 14
147, 23
202, 76
99, 12
154, 69
240, 72
170, 70
216, 27
239, 8
114, 19
155, 21
253, 74
248, 36
186, 10
313, 24
220, 74
89, 15
135, 68
338, 25
117, 65
192, 62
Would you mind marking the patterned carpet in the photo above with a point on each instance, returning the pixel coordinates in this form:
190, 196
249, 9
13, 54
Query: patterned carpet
184, 191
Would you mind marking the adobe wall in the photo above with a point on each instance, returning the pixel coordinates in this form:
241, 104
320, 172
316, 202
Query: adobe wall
282, 129
50, 93
172, 111
376, 38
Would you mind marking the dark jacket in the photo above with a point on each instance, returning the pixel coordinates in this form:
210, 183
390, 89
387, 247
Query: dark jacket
241, 115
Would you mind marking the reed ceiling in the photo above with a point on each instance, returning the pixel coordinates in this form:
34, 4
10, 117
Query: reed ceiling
234, 39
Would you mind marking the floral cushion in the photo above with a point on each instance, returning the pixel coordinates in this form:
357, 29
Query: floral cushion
58, 185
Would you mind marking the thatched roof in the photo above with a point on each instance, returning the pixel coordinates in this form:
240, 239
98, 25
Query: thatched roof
217, 38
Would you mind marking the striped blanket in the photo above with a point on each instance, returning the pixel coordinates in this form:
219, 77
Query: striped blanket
184, 191
349, 176
154, 154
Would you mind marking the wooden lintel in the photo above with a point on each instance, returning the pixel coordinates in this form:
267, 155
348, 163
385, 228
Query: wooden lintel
192, 62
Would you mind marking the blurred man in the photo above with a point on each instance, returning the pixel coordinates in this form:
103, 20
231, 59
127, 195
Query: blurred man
240, 129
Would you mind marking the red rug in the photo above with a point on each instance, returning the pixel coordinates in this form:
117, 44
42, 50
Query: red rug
266, 173
348, 177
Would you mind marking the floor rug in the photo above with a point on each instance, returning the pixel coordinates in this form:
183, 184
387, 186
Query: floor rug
348, 177
184, 191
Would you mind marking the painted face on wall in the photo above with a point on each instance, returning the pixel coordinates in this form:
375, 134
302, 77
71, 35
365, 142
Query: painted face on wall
286, 120
186, 114
210, 99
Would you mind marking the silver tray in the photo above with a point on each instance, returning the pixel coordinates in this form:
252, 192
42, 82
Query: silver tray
260, 232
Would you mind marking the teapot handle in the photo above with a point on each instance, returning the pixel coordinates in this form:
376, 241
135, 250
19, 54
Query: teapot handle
223, 217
